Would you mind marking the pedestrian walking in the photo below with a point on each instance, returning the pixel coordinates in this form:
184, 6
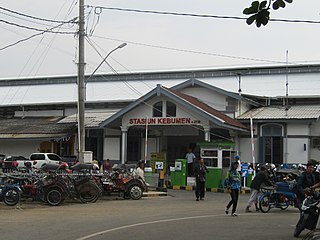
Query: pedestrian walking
260, 179
200, 171
234, 186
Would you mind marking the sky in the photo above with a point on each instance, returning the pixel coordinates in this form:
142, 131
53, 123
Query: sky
155, 42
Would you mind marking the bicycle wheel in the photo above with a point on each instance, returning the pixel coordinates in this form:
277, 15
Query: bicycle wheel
11, 196
264, 203
89, 192
54, 197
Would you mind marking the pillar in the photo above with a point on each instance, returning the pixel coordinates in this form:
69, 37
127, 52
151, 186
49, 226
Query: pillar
206, 134
124, 136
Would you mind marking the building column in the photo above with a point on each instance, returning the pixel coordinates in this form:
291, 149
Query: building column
124, 136
206, 133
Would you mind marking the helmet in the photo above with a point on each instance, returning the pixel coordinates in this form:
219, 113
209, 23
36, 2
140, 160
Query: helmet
237, 157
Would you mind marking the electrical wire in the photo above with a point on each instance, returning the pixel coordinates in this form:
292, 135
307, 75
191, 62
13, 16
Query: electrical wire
125, 82
191, 51
28, 38
37, 18
199, 15
34, 29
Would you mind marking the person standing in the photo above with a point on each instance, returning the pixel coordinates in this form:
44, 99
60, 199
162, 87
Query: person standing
234, 181
200, 171
237, 159
309, 179
107, 165
190, 159
260, 179
140, 169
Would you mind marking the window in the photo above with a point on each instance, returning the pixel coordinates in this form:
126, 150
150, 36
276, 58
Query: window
157, 109
271, 130
171, 109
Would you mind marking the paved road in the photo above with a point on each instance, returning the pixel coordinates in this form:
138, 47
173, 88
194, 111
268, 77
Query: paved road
177, 216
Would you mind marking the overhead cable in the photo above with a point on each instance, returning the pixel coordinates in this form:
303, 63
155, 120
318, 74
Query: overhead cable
37, 18
199, 15
35, 29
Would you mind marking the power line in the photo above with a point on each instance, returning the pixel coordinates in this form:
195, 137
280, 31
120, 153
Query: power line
35, 29
37, 18
198, 15
191, 51
27, 38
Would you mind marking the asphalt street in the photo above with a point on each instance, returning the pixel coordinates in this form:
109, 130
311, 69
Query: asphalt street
176, 216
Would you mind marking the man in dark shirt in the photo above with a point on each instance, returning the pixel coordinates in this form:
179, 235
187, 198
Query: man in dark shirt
259, 180
310, 179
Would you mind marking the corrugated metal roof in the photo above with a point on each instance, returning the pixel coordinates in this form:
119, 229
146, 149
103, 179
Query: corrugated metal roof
129, 87
293, 112
92, 118
34, 127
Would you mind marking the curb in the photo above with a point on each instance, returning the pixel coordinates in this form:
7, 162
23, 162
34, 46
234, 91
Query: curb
154, 194
217, 190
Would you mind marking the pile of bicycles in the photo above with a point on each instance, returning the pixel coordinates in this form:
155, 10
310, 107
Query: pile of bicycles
53, 184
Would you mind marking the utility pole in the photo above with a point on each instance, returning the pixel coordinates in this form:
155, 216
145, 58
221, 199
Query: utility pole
81, 85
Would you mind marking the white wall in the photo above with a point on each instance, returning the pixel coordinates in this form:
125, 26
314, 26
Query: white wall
296, 153
19, 147
211, 98
297, 129
315, 129
111, 144
151, 147
245, 150
111, 148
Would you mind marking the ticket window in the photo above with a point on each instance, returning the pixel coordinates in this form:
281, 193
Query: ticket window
227, 158
210, 157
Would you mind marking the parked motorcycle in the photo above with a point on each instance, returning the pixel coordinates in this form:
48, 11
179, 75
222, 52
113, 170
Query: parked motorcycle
122, 180
309, 214
9, 191
280, 196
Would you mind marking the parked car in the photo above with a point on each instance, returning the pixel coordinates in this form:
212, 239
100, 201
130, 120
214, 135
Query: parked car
39, 159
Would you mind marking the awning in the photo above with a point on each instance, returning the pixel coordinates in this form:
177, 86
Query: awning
92, 119
34, 128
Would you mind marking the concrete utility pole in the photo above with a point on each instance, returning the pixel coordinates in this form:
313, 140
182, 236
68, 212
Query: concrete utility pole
81, 85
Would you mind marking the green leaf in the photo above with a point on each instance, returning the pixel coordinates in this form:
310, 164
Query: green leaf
276, 5
251, 19
282, 3
255, 5
263, 5
248, 11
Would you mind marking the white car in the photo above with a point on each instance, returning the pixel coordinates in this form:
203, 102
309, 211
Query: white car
39, 159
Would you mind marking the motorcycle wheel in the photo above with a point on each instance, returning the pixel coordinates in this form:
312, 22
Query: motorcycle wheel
89, 192
264, 204
11, 197
299, 227
54, 197
284, 204
135, 192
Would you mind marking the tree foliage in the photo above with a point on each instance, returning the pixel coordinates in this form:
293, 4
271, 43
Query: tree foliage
259, 12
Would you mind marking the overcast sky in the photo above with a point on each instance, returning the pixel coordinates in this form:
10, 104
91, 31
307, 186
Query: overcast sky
155, 42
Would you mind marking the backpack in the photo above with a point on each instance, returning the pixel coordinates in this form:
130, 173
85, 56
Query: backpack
227, 181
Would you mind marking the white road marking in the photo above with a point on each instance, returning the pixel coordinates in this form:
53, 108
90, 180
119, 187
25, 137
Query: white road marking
156, 221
